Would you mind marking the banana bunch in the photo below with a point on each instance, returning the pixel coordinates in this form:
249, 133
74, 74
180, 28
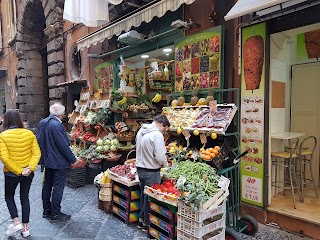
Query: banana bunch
122, 101
157, 98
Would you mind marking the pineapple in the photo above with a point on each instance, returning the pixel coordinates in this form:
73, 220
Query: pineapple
181, 99
210, 96
194, 99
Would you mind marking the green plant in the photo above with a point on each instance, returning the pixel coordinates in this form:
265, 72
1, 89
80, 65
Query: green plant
102, 117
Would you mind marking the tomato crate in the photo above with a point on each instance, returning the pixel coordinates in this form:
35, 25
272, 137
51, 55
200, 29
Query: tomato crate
200, 229
216, 235
201, 214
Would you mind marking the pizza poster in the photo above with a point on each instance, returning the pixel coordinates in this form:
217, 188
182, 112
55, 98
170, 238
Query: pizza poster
252, 113
198, 62
103, 77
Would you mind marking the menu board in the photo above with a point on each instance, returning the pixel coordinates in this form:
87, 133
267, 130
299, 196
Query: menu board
252, 113
103, 77
198, 62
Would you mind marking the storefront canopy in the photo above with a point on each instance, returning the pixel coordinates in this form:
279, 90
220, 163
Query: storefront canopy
243, 7
146, 15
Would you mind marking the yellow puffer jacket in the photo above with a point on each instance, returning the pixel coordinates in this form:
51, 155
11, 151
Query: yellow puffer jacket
19, 149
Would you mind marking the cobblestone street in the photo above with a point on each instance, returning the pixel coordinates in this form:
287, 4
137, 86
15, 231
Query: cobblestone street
87, 221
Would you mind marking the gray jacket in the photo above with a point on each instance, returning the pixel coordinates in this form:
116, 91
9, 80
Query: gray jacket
150, 147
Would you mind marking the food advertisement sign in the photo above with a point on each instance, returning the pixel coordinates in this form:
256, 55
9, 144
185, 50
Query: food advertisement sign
103, 77
252, 113
308, 45
198, 62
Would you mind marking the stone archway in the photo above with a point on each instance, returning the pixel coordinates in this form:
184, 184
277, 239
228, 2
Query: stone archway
39, 44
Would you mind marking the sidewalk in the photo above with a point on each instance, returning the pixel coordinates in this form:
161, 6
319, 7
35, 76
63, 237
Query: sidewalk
87, 221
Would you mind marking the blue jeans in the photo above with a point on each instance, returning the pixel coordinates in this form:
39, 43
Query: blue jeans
146, 178
10, 185
52, 190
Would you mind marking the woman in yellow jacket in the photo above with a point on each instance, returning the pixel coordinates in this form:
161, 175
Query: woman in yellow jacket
20, 154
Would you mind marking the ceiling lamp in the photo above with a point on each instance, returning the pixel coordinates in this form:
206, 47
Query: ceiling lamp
166, 50
115, 2
144, 56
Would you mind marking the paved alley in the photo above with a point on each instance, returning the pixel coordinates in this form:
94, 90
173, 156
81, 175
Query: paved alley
87, 221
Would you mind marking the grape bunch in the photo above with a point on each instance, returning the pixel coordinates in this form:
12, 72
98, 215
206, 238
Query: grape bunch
195, 50
204, 64
178, 55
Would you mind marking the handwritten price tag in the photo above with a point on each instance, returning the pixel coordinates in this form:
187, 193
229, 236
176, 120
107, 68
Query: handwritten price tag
186, 134
203, 138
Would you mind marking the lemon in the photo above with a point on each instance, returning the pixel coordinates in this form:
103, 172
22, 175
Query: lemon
180, 147
196, 132
179, 130
213, 135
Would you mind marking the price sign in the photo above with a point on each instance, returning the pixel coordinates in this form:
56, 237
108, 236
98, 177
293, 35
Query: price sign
224, 183
186, 134
203, 138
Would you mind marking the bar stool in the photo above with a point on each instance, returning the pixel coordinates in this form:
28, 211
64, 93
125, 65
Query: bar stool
306, 157
287, 161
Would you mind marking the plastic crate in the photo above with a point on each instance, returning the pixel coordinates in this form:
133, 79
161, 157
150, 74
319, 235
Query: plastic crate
200, 215
216, 235
167, 227
157, 234
127, 218
74, 172
133, 194
199, 229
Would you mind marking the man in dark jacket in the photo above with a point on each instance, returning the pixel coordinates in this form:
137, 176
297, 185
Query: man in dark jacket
56, 157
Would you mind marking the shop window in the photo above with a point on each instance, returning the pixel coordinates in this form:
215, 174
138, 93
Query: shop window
76, 64
11, 18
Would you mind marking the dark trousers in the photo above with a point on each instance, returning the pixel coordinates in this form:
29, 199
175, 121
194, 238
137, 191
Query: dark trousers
52, 190
10, 185
146, 179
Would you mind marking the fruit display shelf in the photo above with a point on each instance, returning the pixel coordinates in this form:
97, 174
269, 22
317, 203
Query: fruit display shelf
198, 118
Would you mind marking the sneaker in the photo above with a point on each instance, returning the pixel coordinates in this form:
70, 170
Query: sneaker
142, 226
25, 232
60, 217
46, 213
13, 229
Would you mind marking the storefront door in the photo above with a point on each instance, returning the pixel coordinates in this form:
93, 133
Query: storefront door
305, 105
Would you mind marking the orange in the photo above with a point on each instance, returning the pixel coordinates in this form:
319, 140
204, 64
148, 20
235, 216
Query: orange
207, 152
210, 149
217, 148
215, 151
212, 155
201, 150
207, 157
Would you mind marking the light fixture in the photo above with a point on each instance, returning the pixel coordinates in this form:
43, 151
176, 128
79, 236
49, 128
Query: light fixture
167, 54
179, 24
145, 56
167, 50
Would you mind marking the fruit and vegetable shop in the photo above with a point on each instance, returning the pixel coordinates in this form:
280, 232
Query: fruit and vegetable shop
184, 79
279, 122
